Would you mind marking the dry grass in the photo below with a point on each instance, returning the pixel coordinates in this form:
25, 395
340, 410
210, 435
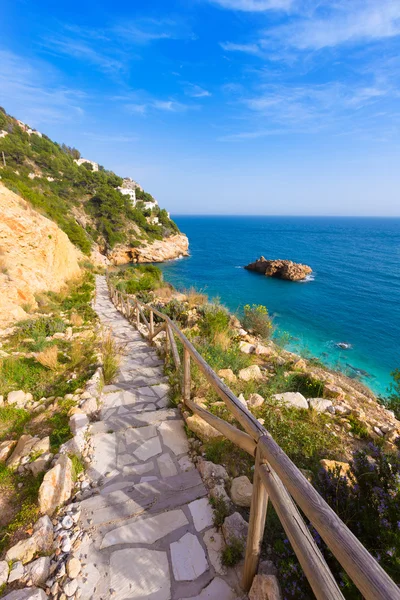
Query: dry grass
222, 339
164, 293
76, 320
49, 358
195, 298
111, 353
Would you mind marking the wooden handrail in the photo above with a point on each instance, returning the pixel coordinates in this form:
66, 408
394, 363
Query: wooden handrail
276, 477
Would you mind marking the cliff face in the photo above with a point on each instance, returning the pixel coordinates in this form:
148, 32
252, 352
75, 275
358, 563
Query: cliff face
35, 255
169, 248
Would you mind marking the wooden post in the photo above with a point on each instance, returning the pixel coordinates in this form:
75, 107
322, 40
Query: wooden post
258, 513
186, 375
166, 342
137, 315
151, 332
4, 159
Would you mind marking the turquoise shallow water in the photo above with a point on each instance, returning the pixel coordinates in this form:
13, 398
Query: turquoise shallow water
353, 295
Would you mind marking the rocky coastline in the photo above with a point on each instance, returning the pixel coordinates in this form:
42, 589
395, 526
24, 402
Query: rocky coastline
280, 269
174, 246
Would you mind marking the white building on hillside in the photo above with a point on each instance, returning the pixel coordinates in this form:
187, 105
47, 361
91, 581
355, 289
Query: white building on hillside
81, 161
128, 192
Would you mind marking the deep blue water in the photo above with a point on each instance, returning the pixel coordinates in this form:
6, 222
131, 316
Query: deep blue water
354, 294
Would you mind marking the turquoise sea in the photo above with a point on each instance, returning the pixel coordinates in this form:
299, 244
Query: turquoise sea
353, 295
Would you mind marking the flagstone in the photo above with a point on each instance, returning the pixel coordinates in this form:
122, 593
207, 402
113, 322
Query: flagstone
202, 513
139, 573
166, 465
173, 435
146, 530
148, 449
140, 434
188, 558
218, 589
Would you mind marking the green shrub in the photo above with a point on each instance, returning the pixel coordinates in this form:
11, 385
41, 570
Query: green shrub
40, 328
310, 388
215, 320
358, 427
221, 510
257, 321
233, 552
224, 358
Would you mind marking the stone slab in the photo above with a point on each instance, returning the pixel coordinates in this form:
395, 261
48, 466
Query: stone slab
145, 530
188, 558
139, 574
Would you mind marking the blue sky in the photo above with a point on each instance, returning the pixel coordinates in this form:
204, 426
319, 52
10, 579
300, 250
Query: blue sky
218, 106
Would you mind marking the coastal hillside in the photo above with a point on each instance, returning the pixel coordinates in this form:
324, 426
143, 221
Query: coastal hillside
35, 256
108, 218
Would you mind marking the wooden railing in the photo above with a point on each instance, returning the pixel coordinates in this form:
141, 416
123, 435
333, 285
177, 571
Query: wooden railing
276, 478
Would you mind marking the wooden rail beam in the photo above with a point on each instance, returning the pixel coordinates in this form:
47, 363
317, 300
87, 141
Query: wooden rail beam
372, 581
312, 562
240, 438
174, 349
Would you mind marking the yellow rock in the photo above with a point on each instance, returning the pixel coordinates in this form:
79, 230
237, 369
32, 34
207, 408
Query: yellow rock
36, 256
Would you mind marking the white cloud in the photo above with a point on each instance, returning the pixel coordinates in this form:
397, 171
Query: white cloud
246, 48
31, 92
83, 51
254, 5
196, 91
143, 108
342, 22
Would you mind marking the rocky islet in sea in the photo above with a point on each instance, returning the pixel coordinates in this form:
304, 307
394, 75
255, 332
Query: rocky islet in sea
280, 269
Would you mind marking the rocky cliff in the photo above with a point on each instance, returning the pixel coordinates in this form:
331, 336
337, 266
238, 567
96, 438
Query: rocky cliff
174, 246
281, 269
35, 255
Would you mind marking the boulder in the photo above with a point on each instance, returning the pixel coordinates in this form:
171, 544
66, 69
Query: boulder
219, 492
5, 449
211, 472
89, 406
28, 593
342, 409
255, 400
57, 486
333, 465
265, 587
202, 402
75, 445
23, 448
37, 572
40, 464
17, 572
319, 404
247, 348
264, 350
73, 567
19, 398
281, 269
202, 429
294, 399
41, 541
300, 365
250, 373
78, 421
42, 445
228, 375
235, 528
333, 391
3, 572
242, 491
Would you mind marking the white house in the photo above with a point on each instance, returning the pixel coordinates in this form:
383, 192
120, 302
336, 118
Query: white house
128, 192
81, 161
150, 204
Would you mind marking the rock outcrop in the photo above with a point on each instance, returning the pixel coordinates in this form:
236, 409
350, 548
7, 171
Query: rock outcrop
175, 246
281, 269
35, 255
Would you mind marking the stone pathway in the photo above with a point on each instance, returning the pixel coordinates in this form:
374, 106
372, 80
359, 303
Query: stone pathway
149, 524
